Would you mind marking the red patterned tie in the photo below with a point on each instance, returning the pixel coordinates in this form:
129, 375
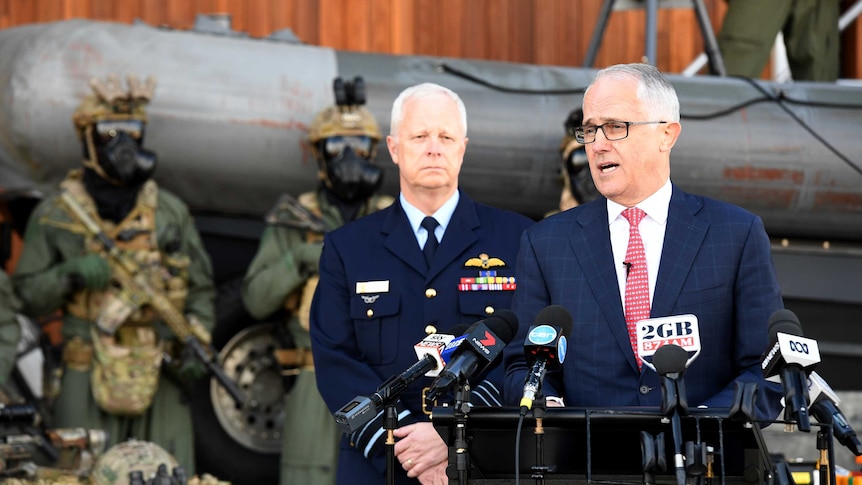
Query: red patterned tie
637, 278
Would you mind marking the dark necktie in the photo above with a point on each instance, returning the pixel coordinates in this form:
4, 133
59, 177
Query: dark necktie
429, 223
637, 279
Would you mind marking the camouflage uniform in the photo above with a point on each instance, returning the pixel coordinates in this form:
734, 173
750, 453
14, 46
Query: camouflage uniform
283, 274
811, 37
10, 331
157, 230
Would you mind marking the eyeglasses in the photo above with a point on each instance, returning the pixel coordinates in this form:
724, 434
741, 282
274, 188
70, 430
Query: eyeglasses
613, 130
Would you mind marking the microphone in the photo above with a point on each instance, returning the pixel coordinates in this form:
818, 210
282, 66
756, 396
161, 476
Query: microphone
482, 343
434, 344
824, 407
545, 349
787, 360
362, 409
670, 361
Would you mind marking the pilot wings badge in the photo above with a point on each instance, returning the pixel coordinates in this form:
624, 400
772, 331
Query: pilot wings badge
484, 261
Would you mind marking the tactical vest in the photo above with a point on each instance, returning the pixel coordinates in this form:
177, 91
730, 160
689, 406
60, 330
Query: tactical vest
135, 236
125, 364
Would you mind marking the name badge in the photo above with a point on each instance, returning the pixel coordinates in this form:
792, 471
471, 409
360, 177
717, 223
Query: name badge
363, 287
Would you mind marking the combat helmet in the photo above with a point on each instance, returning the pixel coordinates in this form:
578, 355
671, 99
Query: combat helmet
122, 107
114, 466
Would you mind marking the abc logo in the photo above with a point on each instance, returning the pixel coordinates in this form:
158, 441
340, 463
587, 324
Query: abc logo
798, 347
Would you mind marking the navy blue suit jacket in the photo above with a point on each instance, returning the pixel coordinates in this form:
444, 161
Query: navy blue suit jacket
361, 338
716, 264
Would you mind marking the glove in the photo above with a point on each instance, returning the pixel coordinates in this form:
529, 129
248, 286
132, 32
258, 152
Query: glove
308, 255
92, 270
190, 368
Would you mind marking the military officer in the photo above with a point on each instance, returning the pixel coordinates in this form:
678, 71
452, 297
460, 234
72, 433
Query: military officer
380, 293
343, 140
113, 348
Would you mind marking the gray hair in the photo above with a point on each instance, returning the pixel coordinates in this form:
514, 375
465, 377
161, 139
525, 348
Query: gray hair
654, 89
422, 91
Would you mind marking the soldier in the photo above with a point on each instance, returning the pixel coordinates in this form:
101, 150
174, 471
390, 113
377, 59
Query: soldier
114, 340
578, 186
343, 139
10, 331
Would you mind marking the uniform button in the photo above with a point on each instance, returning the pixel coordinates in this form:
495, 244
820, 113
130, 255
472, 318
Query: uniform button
430, 329
644, 390
430, 293
489, 309
370, 313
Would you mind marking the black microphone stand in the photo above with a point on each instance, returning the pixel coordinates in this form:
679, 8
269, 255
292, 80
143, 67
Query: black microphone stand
674, 403
539, 469
462, 409
826, 463
390, 423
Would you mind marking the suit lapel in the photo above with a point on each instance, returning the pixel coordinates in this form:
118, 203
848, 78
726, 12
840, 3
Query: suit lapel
682, 240
592, 247
399, 238
460, 234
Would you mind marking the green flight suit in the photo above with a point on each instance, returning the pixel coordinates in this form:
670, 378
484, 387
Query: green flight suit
167, 422
10, 331
811, 37
284, 263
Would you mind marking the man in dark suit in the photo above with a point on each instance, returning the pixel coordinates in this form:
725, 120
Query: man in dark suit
378, 295
699, 256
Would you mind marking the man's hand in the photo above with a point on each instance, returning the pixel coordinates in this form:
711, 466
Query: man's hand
92, 270
435, 475
190, 368
422, 453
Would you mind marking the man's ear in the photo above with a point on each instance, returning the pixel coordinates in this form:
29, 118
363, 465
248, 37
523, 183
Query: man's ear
670, 135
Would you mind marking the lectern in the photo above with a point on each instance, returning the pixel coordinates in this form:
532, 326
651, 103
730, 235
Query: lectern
579, 446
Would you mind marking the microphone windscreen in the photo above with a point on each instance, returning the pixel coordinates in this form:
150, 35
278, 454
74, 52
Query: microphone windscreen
504, 324
784, 321
669, 358
555, 316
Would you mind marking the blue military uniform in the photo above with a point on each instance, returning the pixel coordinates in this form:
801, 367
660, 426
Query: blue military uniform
377, 297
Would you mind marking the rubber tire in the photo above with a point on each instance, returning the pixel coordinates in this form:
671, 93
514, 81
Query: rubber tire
216, 452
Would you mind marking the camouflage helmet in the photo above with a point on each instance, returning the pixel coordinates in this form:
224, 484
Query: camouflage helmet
346, 118
111, 101
115, 465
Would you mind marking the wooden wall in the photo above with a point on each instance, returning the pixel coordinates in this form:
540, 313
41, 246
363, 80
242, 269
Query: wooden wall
553, 32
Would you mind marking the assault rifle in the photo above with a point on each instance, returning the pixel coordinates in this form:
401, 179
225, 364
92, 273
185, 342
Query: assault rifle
302, 217
139, 292
31, 452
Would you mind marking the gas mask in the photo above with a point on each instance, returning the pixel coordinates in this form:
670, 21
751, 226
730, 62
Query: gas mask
577, 169
349, 173
119, 154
